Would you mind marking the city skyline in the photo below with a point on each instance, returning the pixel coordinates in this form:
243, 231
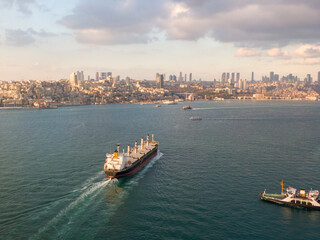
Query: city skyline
138, 38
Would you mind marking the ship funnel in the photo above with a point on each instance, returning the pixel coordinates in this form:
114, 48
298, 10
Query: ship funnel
128, 149
141, 143
118, 147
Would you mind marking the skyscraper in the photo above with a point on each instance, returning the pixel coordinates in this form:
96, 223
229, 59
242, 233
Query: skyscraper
103, 75
223, 78
97, 76
252, 76
180, 77
238, 77
271, 76
232, 77
318, 77
228, 77
309, 78
73, 79
160, 80
190, 77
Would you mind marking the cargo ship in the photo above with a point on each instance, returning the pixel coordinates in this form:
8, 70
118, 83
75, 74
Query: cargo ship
293, 198
124, 164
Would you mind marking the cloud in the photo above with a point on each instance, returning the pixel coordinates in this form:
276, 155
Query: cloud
18, 37
275, 52
246, 23
246, 52
21, 5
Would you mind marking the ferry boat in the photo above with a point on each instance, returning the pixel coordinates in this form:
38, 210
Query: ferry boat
195, 118
293, 198
120, 165
168, 102
186, 107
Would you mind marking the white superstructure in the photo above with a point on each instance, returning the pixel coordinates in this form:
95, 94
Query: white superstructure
121, 161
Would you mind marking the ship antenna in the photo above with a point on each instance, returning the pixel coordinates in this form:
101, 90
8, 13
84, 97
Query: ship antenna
281, 187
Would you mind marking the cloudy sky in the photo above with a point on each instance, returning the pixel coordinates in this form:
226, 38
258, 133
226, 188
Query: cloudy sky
47, 40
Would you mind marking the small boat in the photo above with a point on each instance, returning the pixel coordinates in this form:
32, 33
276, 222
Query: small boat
195, 118
186, 108
293, 198
158, 105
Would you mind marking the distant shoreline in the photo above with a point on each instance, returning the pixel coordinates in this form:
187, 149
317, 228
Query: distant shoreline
144, 103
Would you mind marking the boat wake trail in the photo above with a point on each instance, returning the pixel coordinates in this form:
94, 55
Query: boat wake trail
98, 200
65, 215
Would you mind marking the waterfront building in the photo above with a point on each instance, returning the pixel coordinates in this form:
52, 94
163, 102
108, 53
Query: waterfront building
245, 84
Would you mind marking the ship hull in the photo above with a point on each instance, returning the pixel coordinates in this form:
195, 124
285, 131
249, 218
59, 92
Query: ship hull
144, 160
288, 204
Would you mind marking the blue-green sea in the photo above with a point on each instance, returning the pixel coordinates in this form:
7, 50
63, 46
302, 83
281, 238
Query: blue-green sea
204, 183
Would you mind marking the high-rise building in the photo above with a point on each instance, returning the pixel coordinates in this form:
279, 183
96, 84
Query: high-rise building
245, 84
97, 76
73, 79
190, 77
271, 76
103, 75
238, 77
223, 78
252, 76
276, 78
318, 77
109, 74
185, 77
309, 78
228, 77
160, 80
89, 78
174, 78
232, 78
240, 84
180, 77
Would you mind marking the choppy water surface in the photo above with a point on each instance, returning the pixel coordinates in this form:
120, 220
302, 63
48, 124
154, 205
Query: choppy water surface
204, 183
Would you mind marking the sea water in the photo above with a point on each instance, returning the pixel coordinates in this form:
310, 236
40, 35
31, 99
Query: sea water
204, 183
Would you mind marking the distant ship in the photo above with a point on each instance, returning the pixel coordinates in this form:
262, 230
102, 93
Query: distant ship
158, 105
186, 108
195, 118
120, 165
293, 198
169, 102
